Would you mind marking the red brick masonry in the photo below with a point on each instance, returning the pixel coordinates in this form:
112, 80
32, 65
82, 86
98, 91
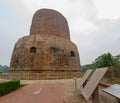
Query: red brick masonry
36, 93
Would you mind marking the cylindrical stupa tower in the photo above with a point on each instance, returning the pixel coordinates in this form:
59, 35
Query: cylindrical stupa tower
49, 22
47, 53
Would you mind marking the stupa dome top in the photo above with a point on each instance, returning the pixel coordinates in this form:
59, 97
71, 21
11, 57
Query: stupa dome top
49, 22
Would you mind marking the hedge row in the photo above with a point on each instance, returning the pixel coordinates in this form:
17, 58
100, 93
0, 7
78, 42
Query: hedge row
8, 86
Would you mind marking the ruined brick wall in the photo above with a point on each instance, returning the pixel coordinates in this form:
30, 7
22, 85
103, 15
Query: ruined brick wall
36, 53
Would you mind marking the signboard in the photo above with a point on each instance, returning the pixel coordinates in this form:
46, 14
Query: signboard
84, 78
93, 82
113, 90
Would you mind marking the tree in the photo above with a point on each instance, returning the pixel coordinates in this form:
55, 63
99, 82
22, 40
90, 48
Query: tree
84, 68
105, 60
4, 69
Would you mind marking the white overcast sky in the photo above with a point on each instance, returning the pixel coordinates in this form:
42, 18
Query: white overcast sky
94, 25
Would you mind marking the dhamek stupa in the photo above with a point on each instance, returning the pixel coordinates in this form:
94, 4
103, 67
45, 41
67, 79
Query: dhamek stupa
48, 51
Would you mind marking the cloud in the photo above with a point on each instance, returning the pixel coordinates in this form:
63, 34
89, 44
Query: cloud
108, 9
94, 24
105, 39
12, 26
107, 34
79, 12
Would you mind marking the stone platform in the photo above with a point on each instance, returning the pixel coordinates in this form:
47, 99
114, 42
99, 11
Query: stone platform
43, 75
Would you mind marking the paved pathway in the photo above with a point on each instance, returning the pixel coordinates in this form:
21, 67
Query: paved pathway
36, 93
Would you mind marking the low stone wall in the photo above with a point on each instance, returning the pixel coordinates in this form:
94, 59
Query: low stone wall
42, 76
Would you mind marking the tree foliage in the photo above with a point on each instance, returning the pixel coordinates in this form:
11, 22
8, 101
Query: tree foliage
104, 60
4, 69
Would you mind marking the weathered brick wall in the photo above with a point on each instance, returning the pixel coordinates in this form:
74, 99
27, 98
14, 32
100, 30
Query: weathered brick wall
52, 53
49, 22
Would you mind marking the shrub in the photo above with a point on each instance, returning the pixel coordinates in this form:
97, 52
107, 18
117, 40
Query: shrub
8, 86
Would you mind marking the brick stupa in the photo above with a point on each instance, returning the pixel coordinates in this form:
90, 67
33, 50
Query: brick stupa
48, 52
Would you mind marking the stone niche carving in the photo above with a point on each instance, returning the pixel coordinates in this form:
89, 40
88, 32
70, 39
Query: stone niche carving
48, 49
